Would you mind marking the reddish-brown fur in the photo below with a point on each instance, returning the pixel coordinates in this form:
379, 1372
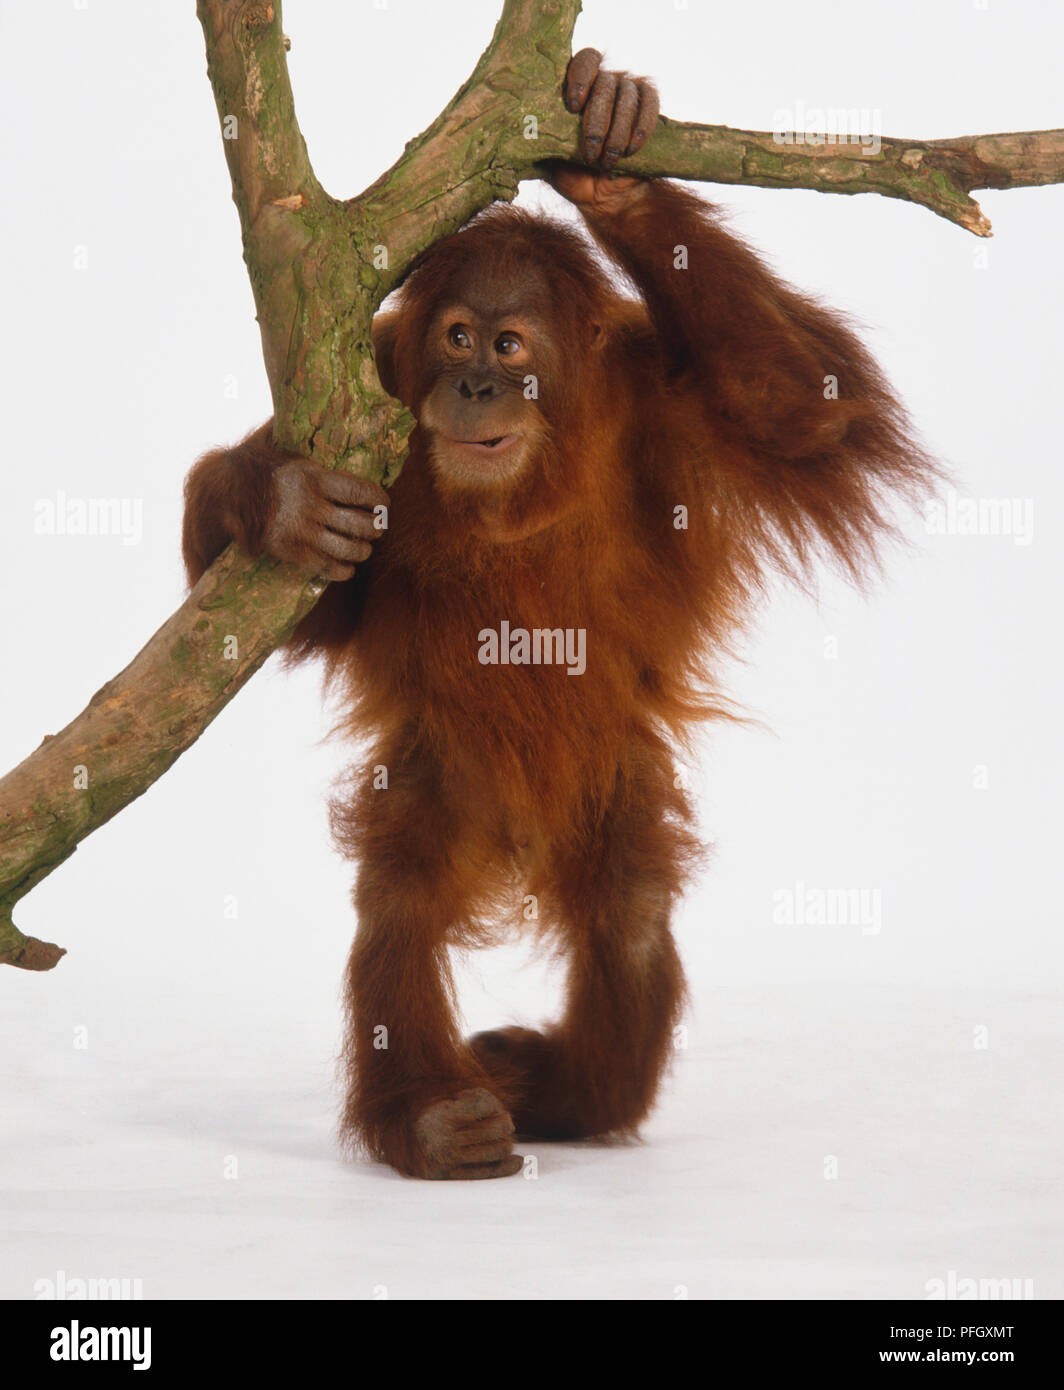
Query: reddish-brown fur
707, 392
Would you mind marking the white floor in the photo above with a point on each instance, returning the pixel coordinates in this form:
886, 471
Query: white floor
948, 1159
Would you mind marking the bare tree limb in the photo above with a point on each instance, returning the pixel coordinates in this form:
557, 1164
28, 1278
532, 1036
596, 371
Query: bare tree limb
319, 268
935, 174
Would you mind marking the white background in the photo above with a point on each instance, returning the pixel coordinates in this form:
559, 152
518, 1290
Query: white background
210, 1038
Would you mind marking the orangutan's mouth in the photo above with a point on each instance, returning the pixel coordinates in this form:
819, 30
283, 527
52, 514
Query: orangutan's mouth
488, 446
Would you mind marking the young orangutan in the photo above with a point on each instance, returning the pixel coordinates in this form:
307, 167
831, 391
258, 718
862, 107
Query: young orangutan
595, 491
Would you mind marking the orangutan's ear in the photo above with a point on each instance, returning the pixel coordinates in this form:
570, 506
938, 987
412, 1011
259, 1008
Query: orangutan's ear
385, 332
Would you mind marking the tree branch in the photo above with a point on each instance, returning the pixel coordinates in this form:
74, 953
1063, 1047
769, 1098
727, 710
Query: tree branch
319, 269
935, 174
